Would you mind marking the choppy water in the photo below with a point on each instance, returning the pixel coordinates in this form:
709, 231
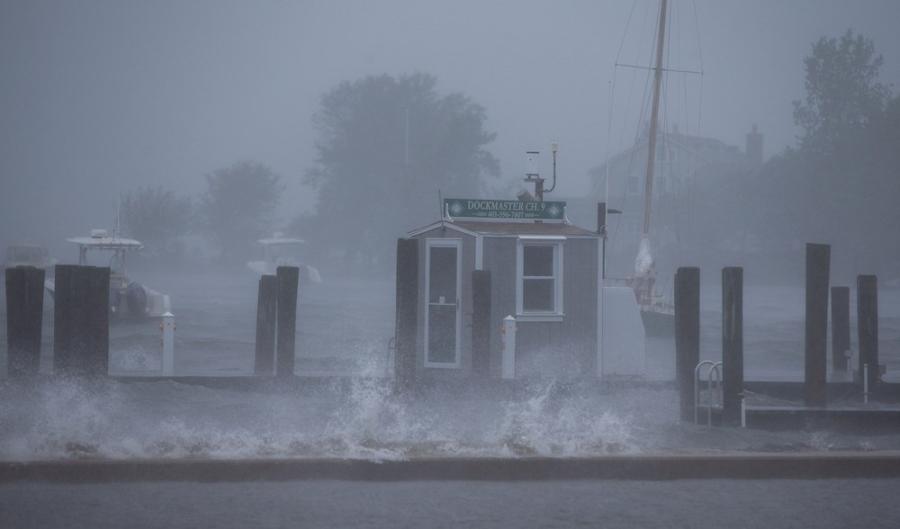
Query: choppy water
345, 326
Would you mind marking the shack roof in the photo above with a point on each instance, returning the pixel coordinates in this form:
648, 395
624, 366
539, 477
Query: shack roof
509, 229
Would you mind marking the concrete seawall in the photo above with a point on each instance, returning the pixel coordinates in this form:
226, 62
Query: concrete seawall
809, 465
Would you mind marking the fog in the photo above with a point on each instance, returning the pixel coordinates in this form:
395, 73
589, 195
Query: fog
292, 303
99, 98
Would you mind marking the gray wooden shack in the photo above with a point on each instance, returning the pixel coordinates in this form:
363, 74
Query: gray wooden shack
544, 273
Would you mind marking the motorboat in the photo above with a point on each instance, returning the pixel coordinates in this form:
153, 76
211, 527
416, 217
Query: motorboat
279, 250
127, 298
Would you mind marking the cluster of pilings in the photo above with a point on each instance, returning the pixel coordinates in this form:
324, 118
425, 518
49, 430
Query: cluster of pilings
687, 334
81, 321
276, 322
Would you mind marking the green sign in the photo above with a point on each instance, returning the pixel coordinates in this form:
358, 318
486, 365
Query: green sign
503, 209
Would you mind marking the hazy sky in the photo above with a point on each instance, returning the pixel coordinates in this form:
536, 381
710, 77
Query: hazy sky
98, 97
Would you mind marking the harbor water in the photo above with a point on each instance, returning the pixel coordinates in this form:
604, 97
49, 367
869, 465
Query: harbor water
343, 406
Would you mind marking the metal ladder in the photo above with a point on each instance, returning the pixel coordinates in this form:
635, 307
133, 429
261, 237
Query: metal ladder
713, 388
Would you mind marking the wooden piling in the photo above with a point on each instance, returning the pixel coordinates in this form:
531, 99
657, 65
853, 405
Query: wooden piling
481, 322
287, 278
406, 314
81, 320
97, 321
818, 262
266, 315
24, 318
687, 335
64, 310
867, 325
732, 344
840, 327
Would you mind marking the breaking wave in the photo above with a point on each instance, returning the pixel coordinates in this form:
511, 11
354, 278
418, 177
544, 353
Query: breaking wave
357, 418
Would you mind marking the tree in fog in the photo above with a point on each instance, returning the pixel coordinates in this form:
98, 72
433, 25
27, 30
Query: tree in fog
386, 146
238, 207
840, 184
157, 217
843, 92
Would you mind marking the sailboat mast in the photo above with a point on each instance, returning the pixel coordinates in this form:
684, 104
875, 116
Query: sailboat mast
654, 116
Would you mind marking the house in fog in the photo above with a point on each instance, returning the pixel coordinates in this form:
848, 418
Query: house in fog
684, 163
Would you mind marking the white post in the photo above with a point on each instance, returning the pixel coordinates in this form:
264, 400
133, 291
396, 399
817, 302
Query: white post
508, 366
743, 412
167, 326
866, 383
600, 282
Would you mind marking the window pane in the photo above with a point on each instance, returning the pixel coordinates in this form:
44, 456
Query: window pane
537, 295
443, 274
538, 260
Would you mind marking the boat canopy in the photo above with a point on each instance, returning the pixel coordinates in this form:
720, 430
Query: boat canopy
107, 243
275, 241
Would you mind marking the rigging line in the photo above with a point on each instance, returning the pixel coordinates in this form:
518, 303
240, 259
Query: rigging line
700, 56
697, 28
641, 116
684, 93
612, 96
645, 101
625, 32
700, 107
627, 174
646, 96
683, 114
672, 70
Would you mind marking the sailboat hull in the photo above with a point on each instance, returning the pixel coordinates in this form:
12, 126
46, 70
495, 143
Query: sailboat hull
658, 323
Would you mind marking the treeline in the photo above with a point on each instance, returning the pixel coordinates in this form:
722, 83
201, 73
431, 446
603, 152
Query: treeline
840, 183
237, 208
386, 148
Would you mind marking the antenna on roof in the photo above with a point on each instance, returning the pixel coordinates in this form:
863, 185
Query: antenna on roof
118, 216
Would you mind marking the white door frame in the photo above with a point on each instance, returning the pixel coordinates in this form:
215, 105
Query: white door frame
443, 243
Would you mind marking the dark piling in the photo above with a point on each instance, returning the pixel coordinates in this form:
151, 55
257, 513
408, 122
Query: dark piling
732, 343
687, 335
81, 320
481, 322
818, 262
840, 327
287, 278
266, 317
24, 318
406, 314
867, 325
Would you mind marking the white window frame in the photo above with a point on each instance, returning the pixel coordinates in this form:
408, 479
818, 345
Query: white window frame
557, 243
445, 243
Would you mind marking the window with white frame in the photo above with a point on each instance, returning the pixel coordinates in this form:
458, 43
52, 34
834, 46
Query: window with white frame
539, 281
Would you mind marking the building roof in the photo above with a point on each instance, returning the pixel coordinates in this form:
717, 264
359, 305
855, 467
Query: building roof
509, 229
